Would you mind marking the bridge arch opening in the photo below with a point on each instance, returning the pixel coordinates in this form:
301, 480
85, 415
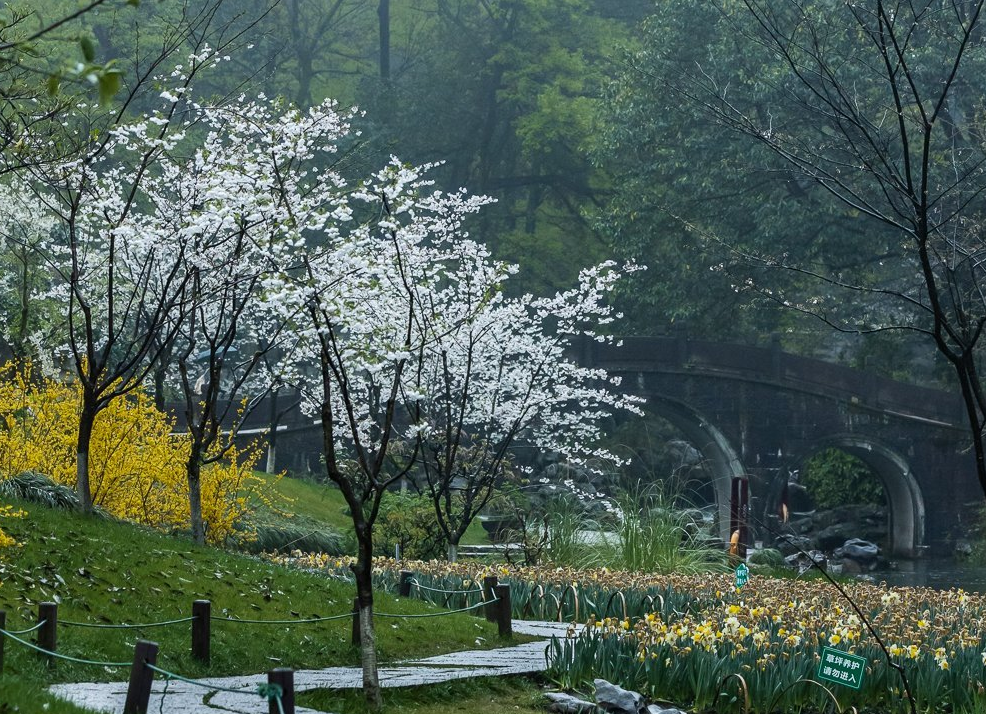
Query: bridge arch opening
720, 461
902, 494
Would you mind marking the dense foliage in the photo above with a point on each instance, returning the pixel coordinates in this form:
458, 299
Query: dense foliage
835, 478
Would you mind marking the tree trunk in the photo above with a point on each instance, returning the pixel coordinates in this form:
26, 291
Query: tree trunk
383, 13
87, 420
363, 572
272, 434
193, 471
453, 545
159, 375
965, 368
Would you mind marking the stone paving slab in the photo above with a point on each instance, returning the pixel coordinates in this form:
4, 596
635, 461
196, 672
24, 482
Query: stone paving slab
177, 697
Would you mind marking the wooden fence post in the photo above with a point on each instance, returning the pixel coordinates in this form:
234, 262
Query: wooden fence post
357, 638
201, 630
503, 615
404, 586
489, 594
285, 678
141, 677
48, 632
3, 626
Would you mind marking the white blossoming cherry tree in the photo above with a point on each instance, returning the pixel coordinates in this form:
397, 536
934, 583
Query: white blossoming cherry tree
116, 256
406, 341
376, 259
223, 199
500, 373
115, 271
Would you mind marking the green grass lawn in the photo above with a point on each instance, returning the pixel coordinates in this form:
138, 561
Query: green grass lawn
309, 499
489, 695
108, 572
311, 504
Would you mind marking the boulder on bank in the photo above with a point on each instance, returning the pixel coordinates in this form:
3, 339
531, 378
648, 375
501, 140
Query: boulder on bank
862, 551
567, 704
790, 545
618, 700
803, 561
836, 534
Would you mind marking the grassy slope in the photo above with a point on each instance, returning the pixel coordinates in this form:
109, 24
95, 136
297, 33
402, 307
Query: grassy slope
111, 572
315, 501
322, 503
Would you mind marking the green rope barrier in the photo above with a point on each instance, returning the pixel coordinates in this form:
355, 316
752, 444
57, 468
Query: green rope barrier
29, 630
139, 626
178, 678
264, 690
272, 692
447, 592
281, 622
440, 614
62, 656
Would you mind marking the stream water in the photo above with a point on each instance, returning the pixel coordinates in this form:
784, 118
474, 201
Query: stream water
938, 573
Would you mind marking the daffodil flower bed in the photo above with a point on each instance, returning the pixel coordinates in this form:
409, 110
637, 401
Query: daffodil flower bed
680, 637
772, 633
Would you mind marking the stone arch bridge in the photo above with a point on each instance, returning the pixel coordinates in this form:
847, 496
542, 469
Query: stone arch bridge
759, 412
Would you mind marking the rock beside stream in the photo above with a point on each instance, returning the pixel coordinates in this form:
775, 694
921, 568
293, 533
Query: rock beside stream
844, 539
609, 699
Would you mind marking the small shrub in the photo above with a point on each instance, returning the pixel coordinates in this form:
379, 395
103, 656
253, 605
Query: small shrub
408, 520
38, 488
283, 535
656, 536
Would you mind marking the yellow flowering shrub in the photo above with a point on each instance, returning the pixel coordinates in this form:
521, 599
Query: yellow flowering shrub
8, 512
5, 540
136, 463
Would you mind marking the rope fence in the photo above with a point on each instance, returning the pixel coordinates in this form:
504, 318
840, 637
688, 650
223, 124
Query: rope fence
280, 687
216, 618
447, 592
50, 654
437, 614
139, 626
28, 630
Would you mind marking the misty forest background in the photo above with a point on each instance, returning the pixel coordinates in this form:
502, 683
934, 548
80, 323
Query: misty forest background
575, 116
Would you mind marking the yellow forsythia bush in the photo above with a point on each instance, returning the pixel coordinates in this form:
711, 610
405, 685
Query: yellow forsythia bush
8, 512
5, 540
136, 464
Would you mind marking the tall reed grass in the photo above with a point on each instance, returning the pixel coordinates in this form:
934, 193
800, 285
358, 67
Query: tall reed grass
647, 530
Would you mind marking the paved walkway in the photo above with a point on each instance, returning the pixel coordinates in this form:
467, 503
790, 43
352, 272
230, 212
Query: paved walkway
182, 698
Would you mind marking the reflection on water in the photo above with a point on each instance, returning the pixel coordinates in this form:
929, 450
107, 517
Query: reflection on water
938, 573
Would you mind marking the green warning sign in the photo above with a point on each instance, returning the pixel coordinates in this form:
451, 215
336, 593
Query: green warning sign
841, 668
742, 575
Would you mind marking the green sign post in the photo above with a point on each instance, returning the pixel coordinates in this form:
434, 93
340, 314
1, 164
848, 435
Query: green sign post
742, 575
841, 668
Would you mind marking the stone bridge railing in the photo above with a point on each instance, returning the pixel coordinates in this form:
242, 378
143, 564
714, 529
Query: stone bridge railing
678, 355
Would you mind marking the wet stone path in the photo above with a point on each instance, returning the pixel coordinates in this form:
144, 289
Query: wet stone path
176, 697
